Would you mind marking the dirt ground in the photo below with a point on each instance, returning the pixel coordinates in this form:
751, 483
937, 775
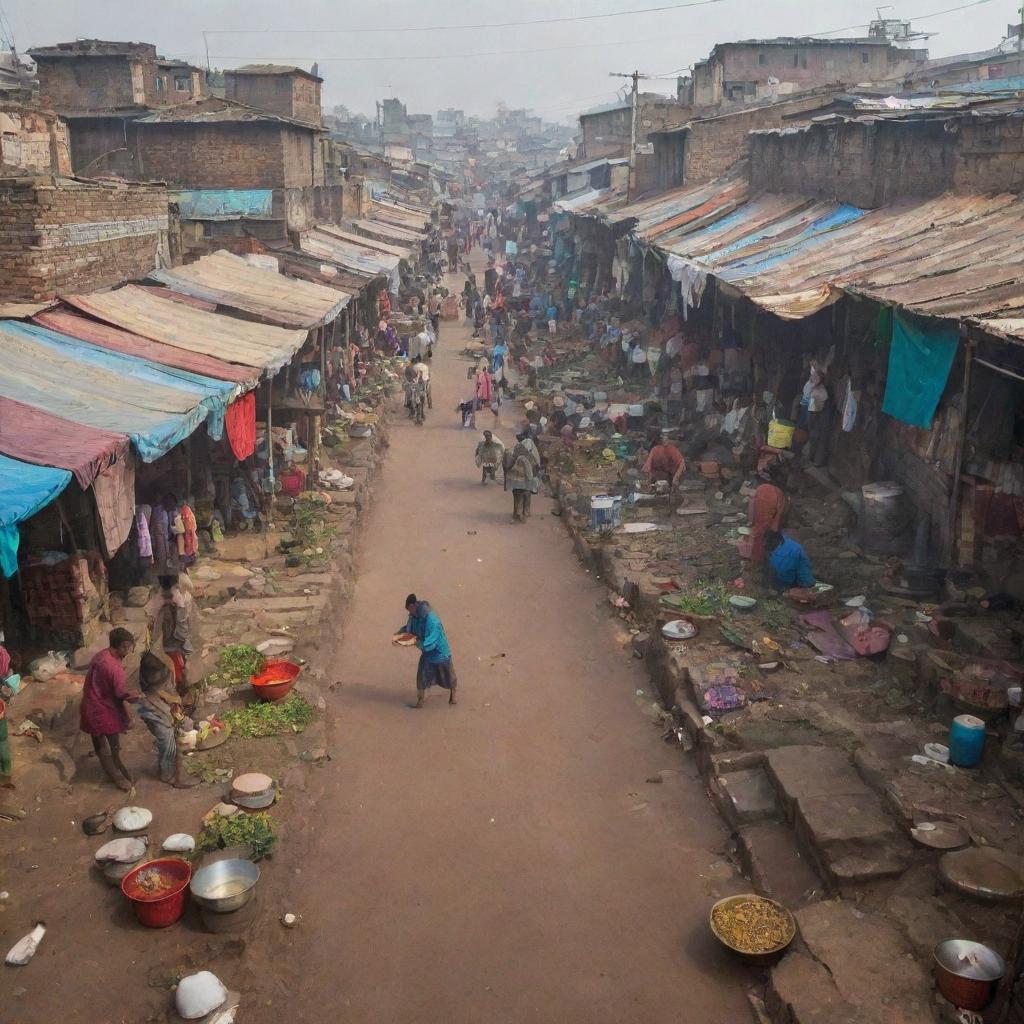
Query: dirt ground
503, 860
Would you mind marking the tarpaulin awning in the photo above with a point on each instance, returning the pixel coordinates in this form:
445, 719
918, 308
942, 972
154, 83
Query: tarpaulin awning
324, 245
231, 281
24, 490
117, 340
920, 358
45, 439
157, 408
139, 311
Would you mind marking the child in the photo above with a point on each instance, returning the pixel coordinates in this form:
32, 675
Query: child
161, 710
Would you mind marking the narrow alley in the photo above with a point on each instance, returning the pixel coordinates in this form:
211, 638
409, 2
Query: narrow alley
506, 860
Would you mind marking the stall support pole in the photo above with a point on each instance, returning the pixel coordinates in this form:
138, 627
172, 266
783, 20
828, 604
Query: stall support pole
270, 448
958, 461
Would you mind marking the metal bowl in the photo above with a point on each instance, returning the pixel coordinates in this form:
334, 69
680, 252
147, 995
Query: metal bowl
225, 885
967, 972
769, 956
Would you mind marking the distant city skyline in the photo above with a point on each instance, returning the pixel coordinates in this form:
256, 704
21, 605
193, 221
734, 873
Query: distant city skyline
557, 67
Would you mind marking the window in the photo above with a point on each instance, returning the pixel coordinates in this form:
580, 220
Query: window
762, 58
181, 83
865, 57
159, 83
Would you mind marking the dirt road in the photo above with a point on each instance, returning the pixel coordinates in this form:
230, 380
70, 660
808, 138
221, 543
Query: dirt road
502, 860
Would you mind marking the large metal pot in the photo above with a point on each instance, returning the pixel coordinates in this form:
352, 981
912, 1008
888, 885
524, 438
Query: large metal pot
225, 885
967, 973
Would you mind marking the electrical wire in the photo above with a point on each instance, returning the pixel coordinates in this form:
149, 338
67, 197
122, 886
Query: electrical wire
449, 28
441, 56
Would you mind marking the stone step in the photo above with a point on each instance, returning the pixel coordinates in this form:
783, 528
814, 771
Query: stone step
837, 819
747, 796
856, 968
775, 864
286, 603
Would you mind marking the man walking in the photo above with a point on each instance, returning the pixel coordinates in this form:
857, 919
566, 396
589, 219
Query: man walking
435, 667
489, 454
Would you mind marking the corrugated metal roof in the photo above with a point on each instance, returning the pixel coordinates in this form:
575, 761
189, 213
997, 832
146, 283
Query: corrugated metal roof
389, 231
324, 245
217, 111
402, 252
950, 256
141, 312
416, 220
230, 281
582, 201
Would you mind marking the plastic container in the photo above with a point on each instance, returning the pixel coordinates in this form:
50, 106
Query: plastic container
605, 512
966, 741
780, 433
276, 680
161, 909
883, 517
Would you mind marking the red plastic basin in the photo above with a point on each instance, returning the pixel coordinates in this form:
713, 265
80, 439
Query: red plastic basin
163, 908
276, 680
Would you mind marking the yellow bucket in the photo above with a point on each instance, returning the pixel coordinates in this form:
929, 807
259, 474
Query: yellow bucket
780, 433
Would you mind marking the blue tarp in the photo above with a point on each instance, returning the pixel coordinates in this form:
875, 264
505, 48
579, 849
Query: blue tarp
157, 406
24, 490
223, 203
920, 358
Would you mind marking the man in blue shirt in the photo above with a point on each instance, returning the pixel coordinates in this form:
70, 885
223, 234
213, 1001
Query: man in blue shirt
435, 665
787, 561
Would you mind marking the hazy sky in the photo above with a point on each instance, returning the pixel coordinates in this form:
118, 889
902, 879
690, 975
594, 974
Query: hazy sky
557, 69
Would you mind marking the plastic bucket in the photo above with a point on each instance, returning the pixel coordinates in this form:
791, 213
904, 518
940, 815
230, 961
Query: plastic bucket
780, 433
605, 512
966, 741
163, 908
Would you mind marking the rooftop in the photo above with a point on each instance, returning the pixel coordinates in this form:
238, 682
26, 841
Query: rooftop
94, 48
272, 69
218, 111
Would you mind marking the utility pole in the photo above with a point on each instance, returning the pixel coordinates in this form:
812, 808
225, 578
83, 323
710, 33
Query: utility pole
1020, 40
635, 77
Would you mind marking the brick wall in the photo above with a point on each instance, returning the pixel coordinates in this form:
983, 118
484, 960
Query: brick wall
869, 164
289, 95
90, 83
303, 158
33, 140
77, 238
715, 144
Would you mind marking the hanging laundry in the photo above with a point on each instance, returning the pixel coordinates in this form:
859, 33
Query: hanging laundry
240, 423
142, 517
189, 545
114, 493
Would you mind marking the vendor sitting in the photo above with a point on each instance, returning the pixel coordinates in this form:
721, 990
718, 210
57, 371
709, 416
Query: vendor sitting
787, 561
665, 461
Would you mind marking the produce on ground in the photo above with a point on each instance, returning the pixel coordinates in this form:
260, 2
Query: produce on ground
255, 830
236, 663
752, 926
292, 714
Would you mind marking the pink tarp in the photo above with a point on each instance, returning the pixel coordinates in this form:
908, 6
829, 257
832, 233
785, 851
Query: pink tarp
39, 437
118, 340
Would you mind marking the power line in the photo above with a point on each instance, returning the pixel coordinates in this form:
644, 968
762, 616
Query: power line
439, 56
449, 28
912, 17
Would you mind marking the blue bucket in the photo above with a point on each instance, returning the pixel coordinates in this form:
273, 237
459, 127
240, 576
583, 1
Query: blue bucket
966, 741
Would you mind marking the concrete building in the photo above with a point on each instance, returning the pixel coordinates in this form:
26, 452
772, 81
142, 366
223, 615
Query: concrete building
94, 74
288, 91
607, 131
755, 69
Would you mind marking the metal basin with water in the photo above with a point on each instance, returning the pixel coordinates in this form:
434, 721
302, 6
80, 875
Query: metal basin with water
225, 885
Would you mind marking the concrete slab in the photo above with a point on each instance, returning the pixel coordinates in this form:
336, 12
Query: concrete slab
287, 603
801, 991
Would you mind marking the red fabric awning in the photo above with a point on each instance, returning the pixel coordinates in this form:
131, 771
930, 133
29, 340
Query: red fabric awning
39, 437
118, 340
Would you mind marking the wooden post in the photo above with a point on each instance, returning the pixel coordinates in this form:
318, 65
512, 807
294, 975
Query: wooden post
958, 460
270, 447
